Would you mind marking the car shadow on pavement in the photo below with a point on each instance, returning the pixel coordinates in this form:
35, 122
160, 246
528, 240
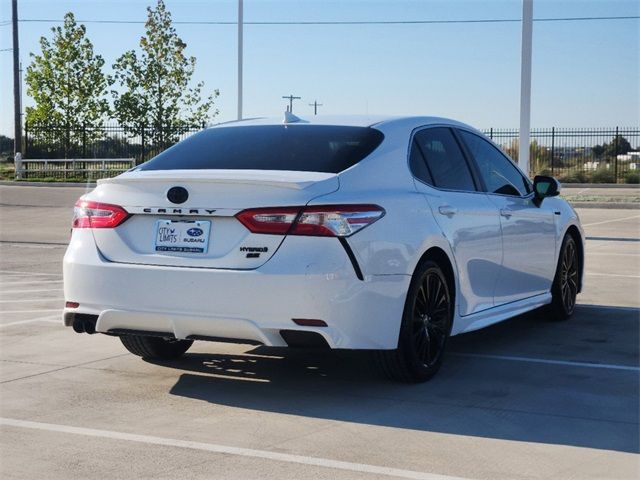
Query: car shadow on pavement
473, 395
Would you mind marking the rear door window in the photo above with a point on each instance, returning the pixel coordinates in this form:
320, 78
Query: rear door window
308, 148
418, 165
499, 173
446, 163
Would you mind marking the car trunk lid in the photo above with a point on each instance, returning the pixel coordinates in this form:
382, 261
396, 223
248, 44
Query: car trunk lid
209, 235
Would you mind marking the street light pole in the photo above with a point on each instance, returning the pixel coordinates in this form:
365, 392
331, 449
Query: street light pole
525, 85
17, 105
240, 48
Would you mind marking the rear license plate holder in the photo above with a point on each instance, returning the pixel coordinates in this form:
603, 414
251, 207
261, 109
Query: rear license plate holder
182, 236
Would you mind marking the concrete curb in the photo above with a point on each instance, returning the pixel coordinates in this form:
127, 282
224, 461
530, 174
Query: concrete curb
47, 184
600, 185
607, 205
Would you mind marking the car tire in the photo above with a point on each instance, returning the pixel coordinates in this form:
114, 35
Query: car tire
424, 330
565, 284
156, 348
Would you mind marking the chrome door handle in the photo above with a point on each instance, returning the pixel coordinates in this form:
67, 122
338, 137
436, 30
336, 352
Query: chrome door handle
505, 212
447, 210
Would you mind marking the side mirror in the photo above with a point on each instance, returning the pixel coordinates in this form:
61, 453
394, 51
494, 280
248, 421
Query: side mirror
544, 187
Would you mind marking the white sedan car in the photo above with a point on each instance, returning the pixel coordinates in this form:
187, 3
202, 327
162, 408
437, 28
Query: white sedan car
385, 234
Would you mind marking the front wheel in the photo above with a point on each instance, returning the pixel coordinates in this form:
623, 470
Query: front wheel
565, 284
155, 348
425, 328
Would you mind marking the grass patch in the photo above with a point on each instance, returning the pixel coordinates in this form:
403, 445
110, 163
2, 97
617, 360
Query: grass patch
7, 172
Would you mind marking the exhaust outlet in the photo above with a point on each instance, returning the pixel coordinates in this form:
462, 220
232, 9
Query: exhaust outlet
90, 325
84, 323
78, 325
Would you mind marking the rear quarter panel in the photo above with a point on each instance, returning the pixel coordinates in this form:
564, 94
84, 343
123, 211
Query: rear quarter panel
394, 244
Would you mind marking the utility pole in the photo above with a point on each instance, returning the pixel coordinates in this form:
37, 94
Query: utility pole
315, 106
240, 48
525, 85
17, 108
291, 98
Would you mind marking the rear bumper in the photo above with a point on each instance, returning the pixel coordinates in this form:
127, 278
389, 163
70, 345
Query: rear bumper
308, 278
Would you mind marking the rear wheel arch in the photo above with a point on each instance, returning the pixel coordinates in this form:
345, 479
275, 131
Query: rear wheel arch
409, 361
439, 256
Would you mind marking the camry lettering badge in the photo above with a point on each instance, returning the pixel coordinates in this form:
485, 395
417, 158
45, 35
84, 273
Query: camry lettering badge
177, 211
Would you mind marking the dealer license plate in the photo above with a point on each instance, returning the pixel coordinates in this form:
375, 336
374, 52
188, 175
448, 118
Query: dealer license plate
182, 236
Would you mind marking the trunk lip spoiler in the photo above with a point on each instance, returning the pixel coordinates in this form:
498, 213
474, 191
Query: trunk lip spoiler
295, 180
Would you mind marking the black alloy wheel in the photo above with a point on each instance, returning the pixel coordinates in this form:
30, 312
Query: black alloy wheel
425, 328
430, 328
565, 285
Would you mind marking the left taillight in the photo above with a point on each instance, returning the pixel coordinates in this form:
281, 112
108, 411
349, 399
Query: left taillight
88, 214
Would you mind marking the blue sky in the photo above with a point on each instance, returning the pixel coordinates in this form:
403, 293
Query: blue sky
584, 73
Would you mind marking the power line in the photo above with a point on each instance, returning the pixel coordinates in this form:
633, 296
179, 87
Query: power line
341, 22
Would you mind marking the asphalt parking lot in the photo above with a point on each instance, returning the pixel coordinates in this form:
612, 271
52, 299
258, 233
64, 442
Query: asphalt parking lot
527, 398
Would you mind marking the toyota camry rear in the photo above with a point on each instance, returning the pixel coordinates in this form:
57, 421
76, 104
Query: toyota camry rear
232, 235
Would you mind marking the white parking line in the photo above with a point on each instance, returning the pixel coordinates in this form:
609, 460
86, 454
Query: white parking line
7, 283
31, 300
610, 221
32, 311
610, 254
48, 318
225, 449
593, 274
14, 272
550, 362
2, 290
26, 245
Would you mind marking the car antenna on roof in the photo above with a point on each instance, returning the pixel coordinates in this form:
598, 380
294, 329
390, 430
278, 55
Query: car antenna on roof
291, 118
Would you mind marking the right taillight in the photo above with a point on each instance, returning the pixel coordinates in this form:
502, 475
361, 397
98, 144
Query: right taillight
318, 221
88, 214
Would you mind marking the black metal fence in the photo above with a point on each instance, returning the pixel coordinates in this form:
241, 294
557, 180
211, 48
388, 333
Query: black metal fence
73, 169
583, 155
578, 155
107, 141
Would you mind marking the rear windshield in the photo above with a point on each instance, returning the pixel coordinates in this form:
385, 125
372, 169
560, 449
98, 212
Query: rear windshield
308, 148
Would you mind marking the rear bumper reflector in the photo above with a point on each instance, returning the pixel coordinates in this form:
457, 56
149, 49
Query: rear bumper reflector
309, 322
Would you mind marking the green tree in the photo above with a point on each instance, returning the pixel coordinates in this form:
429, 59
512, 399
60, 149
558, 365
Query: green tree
156, 89
613, 148
6, 146
67, 84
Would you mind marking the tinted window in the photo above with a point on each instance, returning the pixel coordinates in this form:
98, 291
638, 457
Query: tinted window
418, 165
309, 148
498, 172
445, 161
